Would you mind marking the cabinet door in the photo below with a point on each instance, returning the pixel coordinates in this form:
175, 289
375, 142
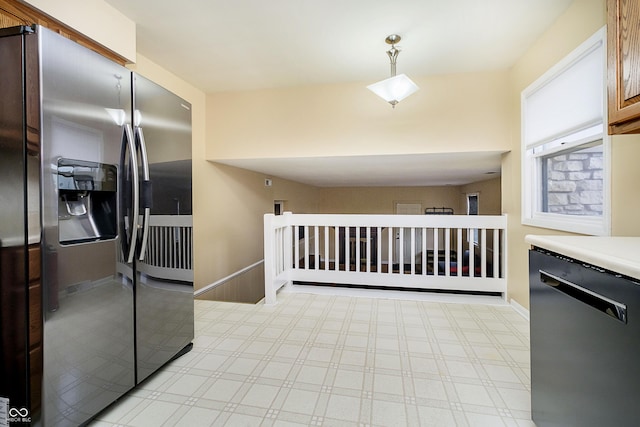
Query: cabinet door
623, 35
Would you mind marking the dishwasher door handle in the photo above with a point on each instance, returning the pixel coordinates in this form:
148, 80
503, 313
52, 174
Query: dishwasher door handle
606, 305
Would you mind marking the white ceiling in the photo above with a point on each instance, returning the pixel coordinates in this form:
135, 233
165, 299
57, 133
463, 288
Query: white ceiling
227, 45
387, 171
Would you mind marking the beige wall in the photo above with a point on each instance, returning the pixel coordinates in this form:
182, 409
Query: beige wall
489, 196
297, 198
382, 200
95, 19
625, 181
581, 20
234, 202
450, 113
464, 112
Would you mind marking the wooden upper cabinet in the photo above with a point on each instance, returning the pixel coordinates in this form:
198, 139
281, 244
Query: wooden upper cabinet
623, 45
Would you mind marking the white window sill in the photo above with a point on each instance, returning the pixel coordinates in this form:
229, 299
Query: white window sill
592, 226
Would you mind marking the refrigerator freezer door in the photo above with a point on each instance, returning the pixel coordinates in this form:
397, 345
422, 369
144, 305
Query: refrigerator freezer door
164, 268
14, 341
88, 294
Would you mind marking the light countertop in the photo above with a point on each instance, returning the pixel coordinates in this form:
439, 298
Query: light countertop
618, 254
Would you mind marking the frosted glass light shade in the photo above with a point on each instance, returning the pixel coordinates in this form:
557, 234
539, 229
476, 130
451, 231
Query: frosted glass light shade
394, 89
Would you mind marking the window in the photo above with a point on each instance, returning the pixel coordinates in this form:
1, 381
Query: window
565, 155
572, 181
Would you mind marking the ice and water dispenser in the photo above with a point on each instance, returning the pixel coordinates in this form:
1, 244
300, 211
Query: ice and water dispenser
87, 201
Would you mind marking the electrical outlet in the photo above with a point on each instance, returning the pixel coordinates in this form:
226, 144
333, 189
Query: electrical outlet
268, 182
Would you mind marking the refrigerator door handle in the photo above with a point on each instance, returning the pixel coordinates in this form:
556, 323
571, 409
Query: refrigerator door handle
146, 191
135, 193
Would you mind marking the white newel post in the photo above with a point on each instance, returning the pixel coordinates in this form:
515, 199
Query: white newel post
269, 260
278, 254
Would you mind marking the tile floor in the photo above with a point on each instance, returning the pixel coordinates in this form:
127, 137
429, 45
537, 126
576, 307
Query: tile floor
328, 360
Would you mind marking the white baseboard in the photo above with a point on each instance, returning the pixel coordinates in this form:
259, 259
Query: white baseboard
395, 295
519, 308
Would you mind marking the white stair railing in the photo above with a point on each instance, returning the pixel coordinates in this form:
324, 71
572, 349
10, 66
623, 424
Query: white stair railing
436, 252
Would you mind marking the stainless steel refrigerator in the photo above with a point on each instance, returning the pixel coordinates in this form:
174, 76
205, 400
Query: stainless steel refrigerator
96, 270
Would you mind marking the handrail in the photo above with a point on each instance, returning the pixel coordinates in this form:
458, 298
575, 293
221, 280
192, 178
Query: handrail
226, 279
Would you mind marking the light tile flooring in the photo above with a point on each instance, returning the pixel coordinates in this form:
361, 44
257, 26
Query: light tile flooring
327, 360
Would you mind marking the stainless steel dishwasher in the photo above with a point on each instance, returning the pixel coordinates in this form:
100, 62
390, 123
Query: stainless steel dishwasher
585, 343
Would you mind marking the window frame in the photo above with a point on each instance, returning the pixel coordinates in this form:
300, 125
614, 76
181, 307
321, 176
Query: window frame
532, 153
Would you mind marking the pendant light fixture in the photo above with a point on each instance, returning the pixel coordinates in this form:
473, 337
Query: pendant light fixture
397, 87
